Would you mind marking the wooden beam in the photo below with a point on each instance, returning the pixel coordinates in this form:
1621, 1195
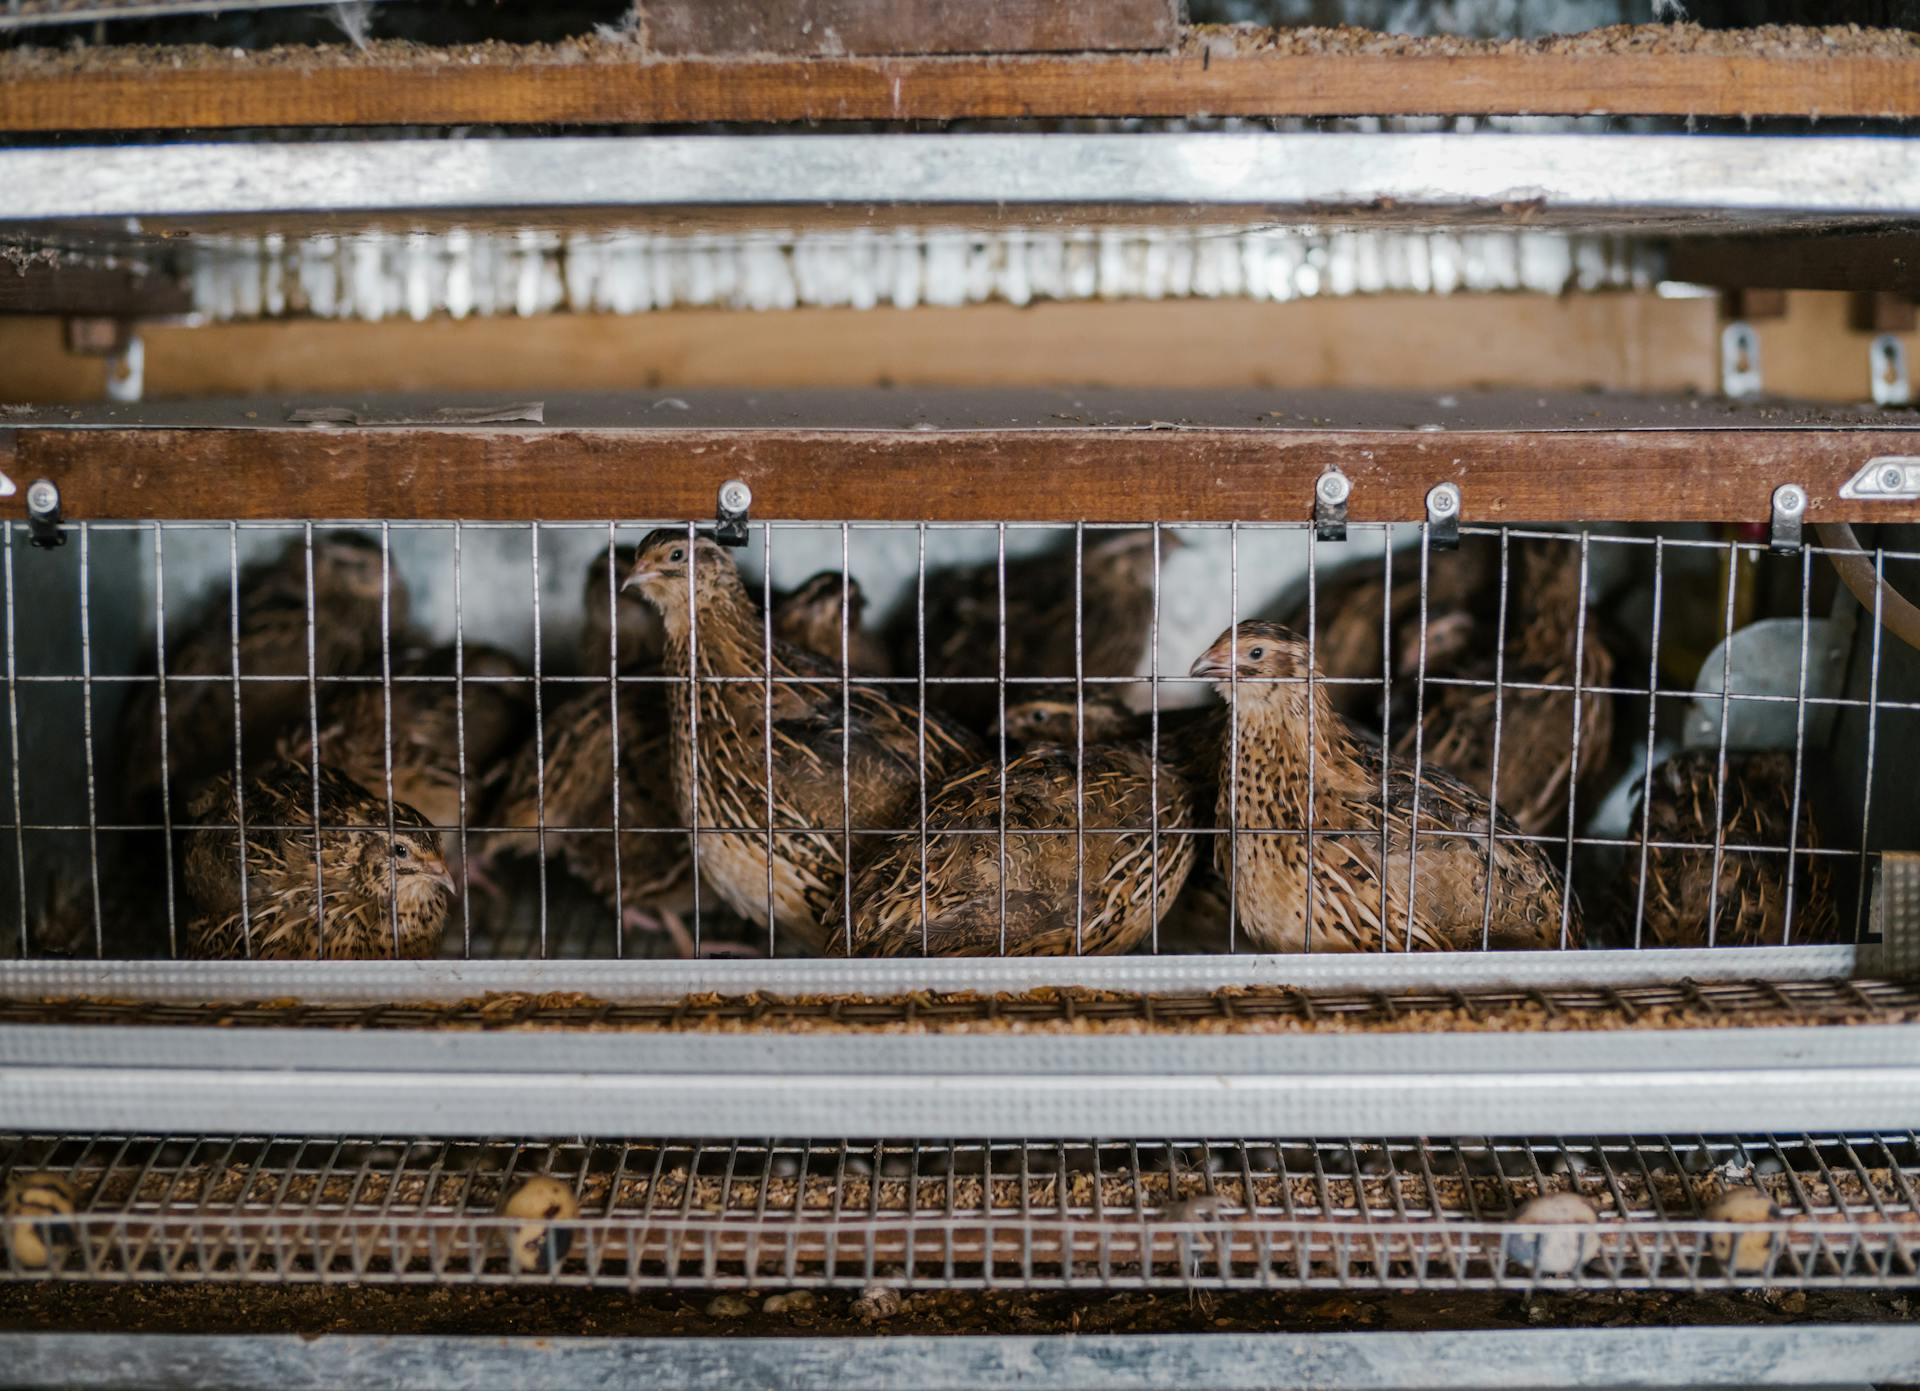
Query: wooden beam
831, 28
485, 473
1214, 72
1829, 261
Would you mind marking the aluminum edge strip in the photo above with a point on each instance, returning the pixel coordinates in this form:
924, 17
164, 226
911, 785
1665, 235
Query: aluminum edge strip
1824, 1354
772, 1054
368, 982
231, 1101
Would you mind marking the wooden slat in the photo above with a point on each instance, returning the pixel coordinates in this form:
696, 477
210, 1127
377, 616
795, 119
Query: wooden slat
596, 83
489, 473
830, 28
1874, 261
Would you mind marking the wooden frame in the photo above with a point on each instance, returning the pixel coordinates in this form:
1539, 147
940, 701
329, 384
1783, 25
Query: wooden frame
971, 456
1211, 72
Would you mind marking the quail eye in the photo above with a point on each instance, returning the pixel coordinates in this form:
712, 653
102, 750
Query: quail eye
1256, 653
677, 553
403, 851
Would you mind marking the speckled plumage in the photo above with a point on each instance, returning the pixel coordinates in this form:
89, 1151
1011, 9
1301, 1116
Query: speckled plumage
880, 737
428, 730
273, 642
1757, 809
639, 625
1456, 729
1268, 791
808, 616
963, 618
1113, 873
571, 789
376, 904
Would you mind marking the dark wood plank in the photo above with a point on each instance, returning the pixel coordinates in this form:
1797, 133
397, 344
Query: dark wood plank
598, 83
834, 28
35, 286
1871, 260
493, 473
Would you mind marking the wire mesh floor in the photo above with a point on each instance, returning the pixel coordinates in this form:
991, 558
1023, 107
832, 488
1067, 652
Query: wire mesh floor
1358, 1213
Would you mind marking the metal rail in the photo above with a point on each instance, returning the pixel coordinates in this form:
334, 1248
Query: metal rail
1671, 181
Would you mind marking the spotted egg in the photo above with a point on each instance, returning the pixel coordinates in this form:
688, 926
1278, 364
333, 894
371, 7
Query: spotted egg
540, 1240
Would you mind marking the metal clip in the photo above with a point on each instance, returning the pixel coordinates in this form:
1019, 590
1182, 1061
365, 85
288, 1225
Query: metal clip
730, 516
43, 515
1739, 360
1887, 370
1443, 517
1789, 511
1330, 494
1885, 478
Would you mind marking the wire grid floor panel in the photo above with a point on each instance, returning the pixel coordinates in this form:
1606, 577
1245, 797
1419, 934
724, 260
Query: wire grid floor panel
1355, 1213
1820, 691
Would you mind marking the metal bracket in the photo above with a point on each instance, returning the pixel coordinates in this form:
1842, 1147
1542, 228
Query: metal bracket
730, 515
43, 515
1887, 371
1789, 512
1443, 516
1330, 496
1739, 360
1885, 478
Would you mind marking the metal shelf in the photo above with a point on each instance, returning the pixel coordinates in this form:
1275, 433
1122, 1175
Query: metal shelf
568, 1074
1177, 1213
1629, 182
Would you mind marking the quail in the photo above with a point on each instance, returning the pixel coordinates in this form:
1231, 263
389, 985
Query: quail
1324, 891
809, 616
963, 619
845, 756
565, 783
374, 903
639, 624
1682, 907
349, 575
1066, 884
417, 729
1536, 745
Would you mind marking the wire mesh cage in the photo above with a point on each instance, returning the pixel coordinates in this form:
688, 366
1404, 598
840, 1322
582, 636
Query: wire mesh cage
427, 739
1793, 1210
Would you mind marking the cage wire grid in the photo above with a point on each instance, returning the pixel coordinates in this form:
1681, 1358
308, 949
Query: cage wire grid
919, 689
1359, 1213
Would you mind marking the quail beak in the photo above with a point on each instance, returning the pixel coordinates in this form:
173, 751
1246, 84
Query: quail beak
1211, 665
442, 876
638, 577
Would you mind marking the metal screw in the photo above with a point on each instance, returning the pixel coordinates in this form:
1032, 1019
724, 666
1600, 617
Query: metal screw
42, 497
1891, 478
1790, 497
1333, 487
1443, 499
735, 496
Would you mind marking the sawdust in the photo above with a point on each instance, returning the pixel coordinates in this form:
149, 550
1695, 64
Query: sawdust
1207, 42
1236, 1011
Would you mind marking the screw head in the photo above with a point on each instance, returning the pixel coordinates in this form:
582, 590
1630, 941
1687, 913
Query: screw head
735, 496
43, 497
1443, 499
1333, 487
1891, 477
1789, 497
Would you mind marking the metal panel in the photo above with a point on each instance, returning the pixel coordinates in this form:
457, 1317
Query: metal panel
1804, 1355
372, 981
1485, 177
